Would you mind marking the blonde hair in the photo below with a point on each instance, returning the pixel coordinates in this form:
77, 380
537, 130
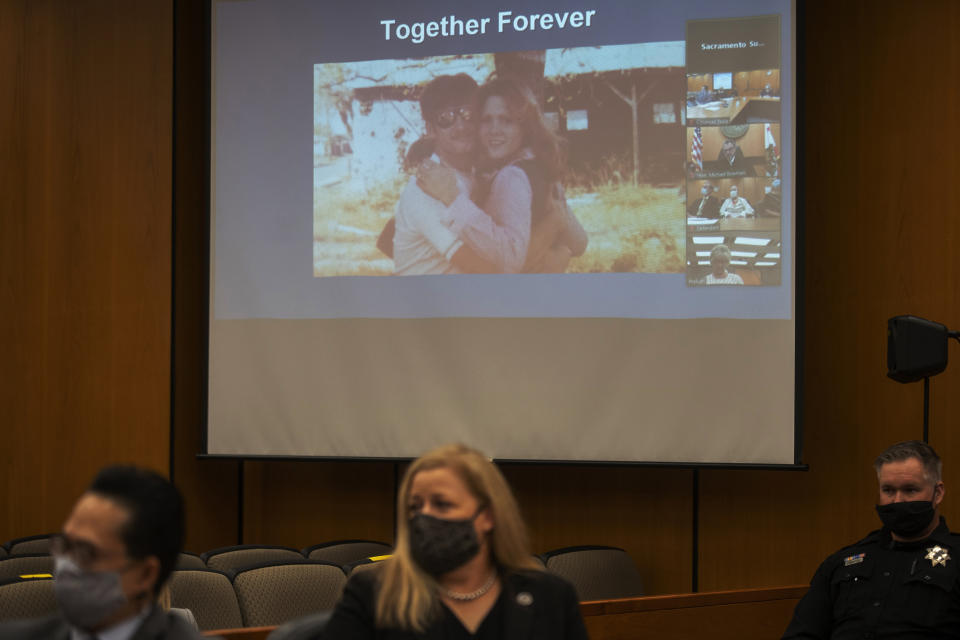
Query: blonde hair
720, 251
407, 597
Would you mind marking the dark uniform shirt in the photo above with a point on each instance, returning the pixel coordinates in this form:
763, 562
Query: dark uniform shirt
879, 588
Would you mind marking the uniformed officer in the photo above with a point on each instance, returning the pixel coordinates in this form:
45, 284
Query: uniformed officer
900, 581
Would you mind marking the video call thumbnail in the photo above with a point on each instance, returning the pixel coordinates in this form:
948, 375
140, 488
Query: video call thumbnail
733, 152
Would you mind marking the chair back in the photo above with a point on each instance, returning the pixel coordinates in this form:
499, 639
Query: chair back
275, 593
187, 560
208, 595
597, 572
31, 564
29, 544
186, 615
346, 551
363, 565
245, 555
31, 598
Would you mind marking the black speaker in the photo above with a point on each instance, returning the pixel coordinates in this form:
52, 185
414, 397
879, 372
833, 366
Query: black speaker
916, 348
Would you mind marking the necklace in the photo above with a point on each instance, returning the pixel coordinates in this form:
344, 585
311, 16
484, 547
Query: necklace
473, 595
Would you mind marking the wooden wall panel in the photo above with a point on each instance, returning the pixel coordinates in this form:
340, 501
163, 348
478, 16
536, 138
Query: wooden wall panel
16, 290
648, 512
761, 78
695, 82
86, 249
741, 82
210, 487
303, 503
882, 233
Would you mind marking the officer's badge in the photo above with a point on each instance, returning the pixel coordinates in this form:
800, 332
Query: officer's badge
937, 555
857, 559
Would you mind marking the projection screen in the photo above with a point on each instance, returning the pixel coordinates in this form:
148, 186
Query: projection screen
612, 277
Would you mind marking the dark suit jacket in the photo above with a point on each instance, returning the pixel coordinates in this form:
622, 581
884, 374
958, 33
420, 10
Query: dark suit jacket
711, 208
157, 626
739, 164
538, 605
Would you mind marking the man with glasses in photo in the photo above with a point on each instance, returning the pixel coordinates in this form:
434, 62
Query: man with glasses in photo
116, 551
422, 243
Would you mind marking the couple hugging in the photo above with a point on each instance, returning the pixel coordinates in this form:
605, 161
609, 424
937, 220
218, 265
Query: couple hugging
487, 196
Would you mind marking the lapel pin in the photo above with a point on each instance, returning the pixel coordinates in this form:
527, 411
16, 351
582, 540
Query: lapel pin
524, 599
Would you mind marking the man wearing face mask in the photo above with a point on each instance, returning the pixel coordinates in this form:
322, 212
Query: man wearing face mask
707, 205
770, 205
735, 206
117, 549
422, 244
900, 581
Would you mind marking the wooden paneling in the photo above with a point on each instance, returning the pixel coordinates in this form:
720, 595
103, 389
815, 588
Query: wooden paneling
741, 82
761, 78
85, 228
696, 82
303, 503
735, 615
247, 633
882, 232
210, 487
647, 512
750, 614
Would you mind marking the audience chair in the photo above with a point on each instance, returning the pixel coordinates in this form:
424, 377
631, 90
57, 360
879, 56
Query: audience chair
187, 616
346, 551
363, 565
30, 598
306, 628
274, 593
597, 572
30, 564
209, 595
245, 555
187, 560
29, 544
3, 552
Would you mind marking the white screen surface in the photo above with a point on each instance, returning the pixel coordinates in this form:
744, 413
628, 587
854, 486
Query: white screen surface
316, 350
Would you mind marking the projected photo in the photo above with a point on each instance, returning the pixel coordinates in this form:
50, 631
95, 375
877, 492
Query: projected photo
738, 204
551, 161
741, 97
734, 151
733, 258
733, 231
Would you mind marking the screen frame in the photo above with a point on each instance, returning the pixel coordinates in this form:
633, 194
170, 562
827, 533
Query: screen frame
799, 258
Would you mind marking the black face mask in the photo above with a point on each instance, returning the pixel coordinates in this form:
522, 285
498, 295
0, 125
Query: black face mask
440, 546
906, 519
